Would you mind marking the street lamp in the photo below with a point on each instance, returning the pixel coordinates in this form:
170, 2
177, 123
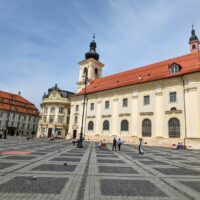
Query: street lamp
85, 74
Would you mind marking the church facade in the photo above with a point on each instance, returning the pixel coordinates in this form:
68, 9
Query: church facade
159, 102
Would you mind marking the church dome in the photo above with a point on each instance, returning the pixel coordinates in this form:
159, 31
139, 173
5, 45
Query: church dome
92, 52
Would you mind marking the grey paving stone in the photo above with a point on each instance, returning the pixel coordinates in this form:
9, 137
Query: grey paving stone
177, 171
117, 170
72, 155
192, 163
109, 161
173, 158
43, 185
195, 185
19, 157
118, 187
66, 159
107, 156
104, 152
54, 167
153, 162
4, 165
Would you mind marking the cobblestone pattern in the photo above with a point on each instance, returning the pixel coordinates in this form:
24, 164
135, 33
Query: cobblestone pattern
58, 170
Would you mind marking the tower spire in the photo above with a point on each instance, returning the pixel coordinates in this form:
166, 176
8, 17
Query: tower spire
92, 52
193, 41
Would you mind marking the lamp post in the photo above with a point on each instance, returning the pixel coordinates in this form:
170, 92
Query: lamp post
85, 74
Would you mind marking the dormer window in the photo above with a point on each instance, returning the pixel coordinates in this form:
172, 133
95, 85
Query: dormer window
174, 68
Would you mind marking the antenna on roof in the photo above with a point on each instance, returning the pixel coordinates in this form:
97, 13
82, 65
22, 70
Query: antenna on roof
93, 36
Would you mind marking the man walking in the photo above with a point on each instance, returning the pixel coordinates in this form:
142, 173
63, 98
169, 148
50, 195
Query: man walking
114, 144
119, 142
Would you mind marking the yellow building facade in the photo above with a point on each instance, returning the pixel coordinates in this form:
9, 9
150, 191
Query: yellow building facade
55, 113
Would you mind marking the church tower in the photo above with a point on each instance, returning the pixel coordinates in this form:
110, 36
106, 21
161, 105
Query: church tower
92, 65
193, 42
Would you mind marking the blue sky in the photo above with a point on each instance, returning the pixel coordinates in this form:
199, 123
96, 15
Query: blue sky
42, 41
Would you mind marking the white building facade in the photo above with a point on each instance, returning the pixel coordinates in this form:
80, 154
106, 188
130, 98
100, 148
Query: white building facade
159, 102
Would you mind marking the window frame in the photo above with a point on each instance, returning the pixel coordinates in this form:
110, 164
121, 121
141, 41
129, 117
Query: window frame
174, 68
146, 100
92, 106
125, 102
172, 97
107, 104
90, 126
124, 125
106, 125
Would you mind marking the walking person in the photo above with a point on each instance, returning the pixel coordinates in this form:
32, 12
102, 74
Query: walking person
119, 142
114, 147
141, 146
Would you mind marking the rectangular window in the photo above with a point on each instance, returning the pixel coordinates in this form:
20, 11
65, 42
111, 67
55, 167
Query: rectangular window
61, 110
44, 119
77, 108
13, 116
172, 97
60, 119
92, 106
24, 117
125, 102
146, 100
107, 105
51, 119
52, 109
29, 119
33, 126
23, 125
68, 111
67, 120
1, 114
28, 126
45, 109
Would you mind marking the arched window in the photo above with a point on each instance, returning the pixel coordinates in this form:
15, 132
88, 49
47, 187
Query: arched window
146, 128
173, 109
90, 126
174, 128
124, 125
76, 119
106, 125
96, 71
174, 68
193, 46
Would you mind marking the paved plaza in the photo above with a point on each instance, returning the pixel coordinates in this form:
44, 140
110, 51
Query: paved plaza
59, 170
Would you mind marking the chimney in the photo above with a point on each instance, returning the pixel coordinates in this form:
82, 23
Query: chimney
19, 93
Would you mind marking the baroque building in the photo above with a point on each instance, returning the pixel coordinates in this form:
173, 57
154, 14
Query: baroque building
159, 102
18, 116
55, 113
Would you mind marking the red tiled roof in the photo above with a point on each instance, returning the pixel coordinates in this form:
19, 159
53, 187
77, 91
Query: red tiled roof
16, 103
189, 63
